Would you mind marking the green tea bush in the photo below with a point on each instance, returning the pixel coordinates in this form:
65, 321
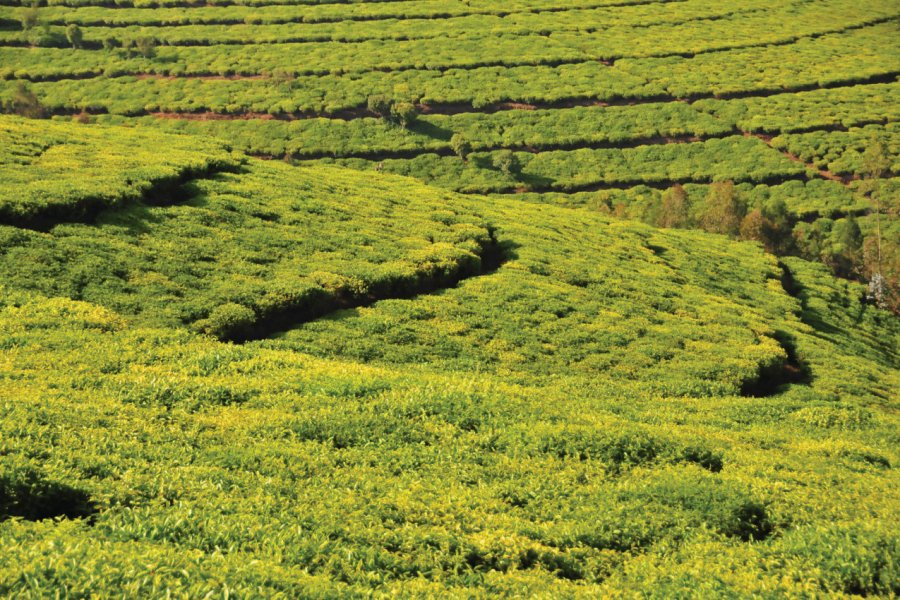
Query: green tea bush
62, 172
732, 158
842, 152
27, 494
454, 396
784, 113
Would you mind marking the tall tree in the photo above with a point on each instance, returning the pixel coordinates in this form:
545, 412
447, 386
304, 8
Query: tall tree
674, 211
723, 210
757, 227
876, 165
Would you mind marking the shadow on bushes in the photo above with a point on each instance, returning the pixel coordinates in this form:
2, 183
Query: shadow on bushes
26, 494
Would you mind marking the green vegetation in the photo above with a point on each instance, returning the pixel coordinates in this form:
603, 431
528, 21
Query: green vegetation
237, 255
819, 109
320, 58
329, 94
484, 445
406, 15
829, 59
733, 158
534, 129
842, 152
659, 359
55, 172
279, 24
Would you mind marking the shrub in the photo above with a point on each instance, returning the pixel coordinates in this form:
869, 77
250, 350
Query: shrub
380, 106
228, 321
460, 145
404, 113
74, 35
26, 103
31, 17
146, 46
507, 162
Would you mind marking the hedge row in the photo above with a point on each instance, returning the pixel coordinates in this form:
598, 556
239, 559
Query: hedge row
766, 27
58, 172
515, 129
786, 113
734, 158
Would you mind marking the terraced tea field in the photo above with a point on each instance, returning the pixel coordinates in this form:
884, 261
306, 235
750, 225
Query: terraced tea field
449, 298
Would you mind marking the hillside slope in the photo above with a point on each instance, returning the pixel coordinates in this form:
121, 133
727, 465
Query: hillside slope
488, 397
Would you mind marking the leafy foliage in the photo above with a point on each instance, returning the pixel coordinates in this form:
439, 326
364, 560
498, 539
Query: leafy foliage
238, 253
732, 158
52, 172
221, 376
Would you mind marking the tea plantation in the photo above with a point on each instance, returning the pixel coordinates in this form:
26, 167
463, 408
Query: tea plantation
449, 298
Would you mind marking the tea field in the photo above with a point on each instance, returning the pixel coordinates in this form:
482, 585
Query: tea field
449, 298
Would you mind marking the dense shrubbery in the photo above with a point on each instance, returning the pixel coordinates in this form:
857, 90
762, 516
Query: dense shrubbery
819, 220
538, 129
803, 200
333, 93
819, 109
469, 396
473, 50
194, 455
828, 59
732, 158
57, 172
841, 152
273, 24
778, 67
403, 17
236, 254
317, 9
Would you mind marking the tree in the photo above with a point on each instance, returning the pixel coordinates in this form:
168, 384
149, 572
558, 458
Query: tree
460, 145
781, 223
811, 239
74, 35
283, 78
404, 113
674, 209
507, 162
756, 227
45, 37
26, 103
846, 246
110, 43
380, 105
884, 285
146, 46
876, 165
723, 210
31, 17
877, 291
